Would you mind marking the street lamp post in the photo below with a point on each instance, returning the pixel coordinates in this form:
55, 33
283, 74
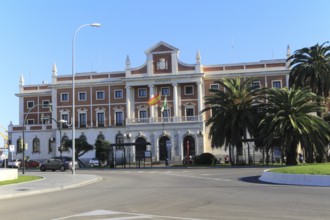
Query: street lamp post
73, 93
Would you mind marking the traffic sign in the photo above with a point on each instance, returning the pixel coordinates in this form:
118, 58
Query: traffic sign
12, 148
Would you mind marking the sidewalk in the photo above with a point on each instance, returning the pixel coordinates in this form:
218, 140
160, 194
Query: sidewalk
51, 181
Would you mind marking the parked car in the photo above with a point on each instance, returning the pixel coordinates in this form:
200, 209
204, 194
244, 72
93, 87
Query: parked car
30, 163
58, 163
14, 163
95, 162
3, 162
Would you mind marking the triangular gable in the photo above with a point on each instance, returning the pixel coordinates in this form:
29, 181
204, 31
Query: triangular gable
161, 47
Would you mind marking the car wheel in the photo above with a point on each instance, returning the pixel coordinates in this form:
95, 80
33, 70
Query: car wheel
92, 165
62, 168
43, 168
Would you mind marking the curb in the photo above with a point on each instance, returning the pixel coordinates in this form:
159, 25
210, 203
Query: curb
295, 179
50, 189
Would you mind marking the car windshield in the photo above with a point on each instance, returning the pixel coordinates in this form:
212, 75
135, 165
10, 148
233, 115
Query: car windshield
64, 158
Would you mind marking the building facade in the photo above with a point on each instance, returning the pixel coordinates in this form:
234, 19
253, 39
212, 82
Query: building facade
114, 105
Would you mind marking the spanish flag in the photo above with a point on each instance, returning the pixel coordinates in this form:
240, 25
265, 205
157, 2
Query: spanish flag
154, 100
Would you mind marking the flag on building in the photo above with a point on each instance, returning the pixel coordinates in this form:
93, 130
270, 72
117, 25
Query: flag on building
154, 100
164, 106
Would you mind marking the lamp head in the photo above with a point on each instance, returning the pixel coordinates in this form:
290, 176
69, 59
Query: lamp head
95, 25
50, 107
43, 117
62, 121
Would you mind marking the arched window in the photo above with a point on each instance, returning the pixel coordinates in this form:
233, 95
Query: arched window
119, 138
50, 150
36, 145
65, 139
83, 137
19, 145
100, 137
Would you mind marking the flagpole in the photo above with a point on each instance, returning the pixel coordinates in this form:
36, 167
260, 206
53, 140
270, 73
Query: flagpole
163, 127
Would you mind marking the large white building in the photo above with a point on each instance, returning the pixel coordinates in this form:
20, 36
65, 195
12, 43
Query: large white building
114, 105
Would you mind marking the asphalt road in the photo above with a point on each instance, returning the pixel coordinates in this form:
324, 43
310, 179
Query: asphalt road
217, 193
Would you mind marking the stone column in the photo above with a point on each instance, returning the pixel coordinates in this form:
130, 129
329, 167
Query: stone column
151, 94
175, 101
128, 103
200, 96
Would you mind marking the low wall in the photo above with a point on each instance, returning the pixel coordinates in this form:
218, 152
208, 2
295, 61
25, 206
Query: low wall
8, 174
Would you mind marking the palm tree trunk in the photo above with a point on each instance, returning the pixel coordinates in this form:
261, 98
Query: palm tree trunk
239, 154
309, 155
291, 155
230, 155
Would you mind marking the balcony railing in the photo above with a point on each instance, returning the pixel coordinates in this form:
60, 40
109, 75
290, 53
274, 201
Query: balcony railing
113, 123
184, 119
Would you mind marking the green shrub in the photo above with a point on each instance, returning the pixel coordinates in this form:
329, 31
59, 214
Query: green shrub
205, 159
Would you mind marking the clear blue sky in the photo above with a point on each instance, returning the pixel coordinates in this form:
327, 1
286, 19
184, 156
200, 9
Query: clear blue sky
35, 34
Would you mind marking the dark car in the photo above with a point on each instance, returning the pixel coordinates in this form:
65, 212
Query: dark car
57, 163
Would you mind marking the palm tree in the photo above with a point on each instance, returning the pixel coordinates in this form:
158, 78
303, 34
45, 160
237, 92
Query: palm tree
234, 112
291, 121
310, 66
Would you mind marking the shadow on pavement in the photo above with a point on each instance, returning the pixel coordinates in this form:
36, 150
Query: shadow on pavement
255, 179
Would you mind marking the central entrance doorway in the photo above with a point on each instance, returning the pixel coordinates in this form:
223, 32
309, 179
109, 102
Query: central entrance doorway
162, 148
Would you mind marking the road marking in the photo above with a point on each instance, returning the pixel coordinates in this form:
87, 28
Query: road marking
197, 177
173, 173
114, 215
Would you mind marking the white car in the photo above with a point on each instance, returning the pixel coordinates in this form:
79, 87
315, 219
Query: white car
14, 163
95, 162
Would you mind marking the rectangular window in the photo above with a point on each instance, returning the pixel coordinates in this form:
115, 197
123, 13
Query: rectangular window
65, 117
276, 84
45, 103
100, 119
99, 95
215, 86
119, 119
165, 91
82, 96
30, 122
64, 97
30, 104
119, 94
142, 93
166, 115
36, 146
82, 120
190, 114
143, 116
188, 90
255, 85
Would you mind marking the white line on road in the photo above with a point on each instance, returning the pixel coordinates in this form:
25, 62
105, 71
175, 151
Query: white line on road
197, 177
114, 215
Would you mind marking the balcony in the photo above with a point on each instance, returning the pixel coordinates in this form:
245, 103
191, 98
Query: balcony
114, 123
181, 119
